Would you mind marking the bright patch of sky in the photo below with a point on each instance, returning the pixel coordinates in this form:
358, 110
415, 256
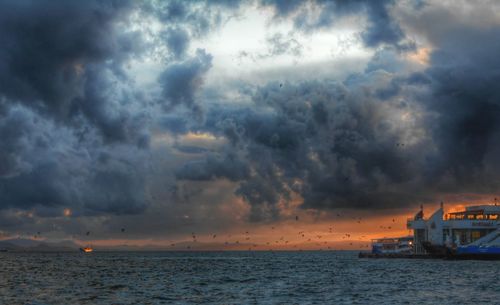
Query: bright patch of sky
243, 51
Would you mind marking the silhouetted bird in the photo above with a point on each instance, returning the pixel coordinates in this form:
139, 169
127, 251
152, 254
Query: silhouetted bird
123, 230
296, 218
88, 233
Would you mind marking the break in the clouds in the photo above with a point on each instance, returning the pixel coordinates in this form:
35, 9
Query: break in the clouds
169, 112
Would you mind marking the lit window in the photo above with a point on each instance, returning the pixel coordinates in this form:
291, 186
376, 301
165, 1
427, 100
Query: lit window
493, 217
476, 235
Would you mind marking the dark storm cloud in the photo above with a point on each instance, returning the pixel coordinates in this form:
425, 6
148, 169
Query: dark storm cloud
12, 128
177, 40
105, 104
44, 165
381, 27
47, 46
214, 167
347, 145
174, 123
283, 8
335, 145
74, 125
180, 81
75, 128
66, 103
466, 98
200, 17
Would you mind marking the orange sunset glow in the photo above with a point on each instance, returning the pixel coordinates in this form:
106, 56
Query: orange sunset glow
341, 230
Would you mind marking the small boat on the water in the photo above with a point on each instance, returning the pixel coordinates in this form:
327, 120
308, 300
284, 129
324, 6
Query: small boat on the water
86, 249
396, 245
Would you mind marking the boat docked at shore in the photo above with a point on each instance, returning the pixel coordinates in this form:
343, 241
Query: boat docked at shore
396, 245
457, 234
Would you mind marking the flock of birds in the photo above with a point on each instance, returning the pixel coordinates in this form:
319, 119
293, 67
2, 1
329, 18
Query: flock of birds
302, 240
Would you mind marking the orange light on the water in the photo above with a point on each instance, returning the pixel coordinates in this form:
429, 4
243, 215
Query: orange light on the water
87, 249
67, 212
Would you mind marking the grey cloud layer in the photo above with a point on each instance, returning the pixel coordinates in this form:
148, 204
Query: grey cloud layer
75, 127
381, 28
343, 145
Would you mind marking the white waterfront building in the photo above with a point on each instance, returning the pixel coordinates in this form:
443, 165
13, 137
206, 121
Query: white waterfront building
433, 234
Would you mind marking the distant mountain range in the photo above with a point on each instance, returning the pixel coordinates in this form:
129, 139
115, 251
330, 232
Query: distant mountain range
31, 245
21, 244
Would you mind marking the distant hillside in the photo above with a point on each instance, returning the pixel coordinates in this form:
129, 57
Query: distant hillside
68, 245
21, 244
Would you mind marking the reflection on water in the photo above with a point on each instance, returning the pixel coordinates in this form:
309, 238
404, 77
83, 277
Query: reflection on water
242, 278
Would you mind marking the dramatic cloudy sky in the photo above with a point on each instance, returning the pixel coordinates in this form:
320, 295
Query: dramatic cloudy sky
218, 117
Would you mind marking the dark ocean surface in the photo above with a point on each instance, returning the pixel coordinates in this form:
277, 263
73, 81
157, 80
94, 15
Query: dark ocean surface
242, 278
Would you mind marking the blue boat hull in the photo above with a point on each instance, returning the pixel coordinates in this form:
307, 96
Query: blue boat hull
475, 252
478, 250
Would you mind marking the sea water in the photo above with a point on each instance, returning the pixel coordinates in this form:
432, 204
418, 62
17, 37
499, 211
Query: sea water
333, 277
